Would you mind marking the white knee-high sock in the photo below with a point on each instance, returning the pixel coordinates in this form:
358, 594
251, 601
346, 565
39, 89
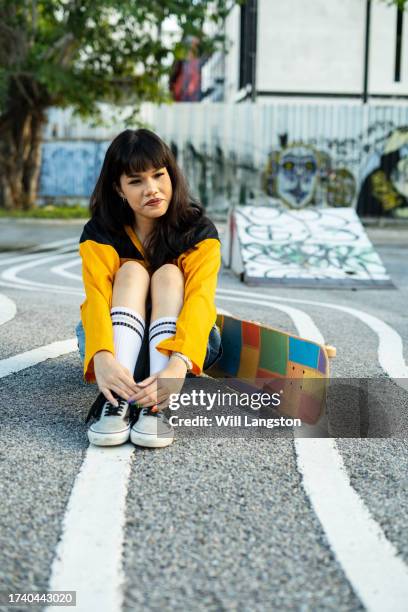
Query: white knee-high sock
159, 330
128, 331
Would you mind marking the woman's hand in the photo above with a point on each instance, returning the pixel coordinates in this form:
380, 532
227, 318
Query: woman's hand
156, 389
112, 376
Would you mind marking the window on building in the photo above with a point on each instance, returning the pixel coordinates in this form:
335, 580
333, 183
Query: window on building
398, 45
247, 52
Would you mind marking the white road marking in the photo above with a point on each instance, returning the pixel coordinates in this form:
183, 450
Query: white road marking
41, 289
362, 532
371, 563
304, 323
390, 348
10, 275
61, 270
18, 362
56, 244
8, 309
29, 254
88, 557
222, 311
38, 289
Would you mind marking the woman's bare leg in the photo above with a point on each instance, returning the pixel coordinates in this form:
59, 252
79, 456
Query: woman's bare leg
167, 291
131, 286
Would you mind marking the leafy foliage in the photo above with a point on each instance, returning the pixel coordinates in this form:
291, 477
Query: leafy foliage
72, 211
80, 52
402, 4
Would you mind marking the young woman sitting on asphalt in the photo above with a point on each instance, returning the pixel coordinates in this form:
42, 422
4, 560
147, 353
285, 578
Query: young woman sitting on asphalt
150, 261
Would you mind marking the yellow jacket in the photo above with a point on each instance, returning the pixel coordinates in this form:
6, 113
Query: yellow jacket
102, 255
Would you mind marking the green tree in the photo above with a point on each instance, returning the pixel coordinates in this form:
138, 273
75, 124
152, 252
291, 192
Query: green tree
402, 4
78, 53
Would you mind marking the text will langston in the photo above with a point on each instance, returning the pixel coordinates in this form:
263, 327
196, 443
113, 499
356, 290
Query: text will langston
236, 420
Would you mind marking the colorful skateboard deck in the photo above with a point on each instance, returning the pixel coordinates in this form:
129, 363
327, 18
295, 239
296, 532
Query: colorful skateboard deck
271, 360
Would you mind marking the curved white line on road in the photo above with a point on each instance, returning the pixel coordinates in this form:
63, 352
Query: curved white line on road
369, 560
222, 311
21, 361
304, 323
30, 254
41, 289
390, 348
61, 270
88, 558
8, 309
10, 275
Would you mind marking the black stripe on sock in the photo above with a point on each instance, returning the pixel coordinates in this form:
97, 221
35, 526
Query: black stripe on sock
163, 323
127, 314
160, 333
130, 326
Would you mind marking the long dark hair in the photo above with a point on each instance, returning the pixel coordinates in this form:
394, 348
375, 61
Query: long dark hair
137, 151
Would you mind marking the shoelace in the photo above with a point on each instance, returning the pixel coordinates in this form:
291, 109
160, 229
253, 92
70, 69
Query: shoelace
148, 412
111, 410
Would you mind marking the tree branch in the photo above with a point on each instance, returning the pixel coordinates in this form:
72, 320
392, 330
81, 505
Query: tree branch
12, 45
23, 90
61, 49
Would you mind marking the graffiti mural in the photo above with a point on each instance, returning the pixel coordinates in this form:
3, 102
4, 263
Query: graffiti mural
341, 188
70, 168
327, 247
300, 175
384, 190
219, 179
299, 156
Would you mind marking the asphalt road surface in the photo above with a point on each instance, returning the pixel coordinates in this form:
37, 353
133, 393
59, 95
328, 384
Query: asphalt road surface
209, 523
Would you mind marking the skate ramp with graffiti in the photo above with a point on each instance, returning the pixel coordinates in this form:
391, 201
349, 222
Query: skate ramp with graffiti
306, 248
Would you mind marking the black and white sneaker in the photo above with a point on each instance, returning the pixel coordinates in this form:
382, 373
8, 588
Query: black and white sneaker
112, 425
151, 429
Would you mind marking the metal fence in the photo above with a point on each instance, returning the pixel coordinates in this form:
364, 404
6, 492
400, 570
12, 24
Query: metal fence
302, 154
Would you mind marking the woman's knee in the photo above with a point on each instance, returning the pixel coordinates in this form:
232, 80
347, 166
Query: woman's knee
168, 275
131, 270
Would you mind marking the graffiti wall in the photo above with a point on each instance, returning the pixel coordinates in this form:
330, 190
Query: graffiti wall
71, 168
301, 156
385, 188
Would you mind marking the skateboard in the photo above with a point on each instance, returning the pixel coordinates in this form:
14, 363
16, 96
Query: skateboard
263, 358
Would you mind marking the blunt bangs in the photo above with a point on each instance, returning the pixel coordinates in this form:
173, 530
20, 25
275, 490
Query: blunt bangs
143, 152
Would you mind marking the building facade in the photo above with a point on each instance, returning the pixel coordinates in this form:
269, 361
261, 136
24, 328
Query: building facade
321, 49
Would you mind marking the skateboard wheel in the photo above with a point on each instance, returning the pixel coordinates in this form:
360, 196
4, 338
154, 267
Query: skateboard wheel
331, 350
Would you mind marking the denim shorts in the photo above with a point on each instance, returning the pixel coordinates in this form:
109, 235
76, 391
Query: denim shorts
213, 354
